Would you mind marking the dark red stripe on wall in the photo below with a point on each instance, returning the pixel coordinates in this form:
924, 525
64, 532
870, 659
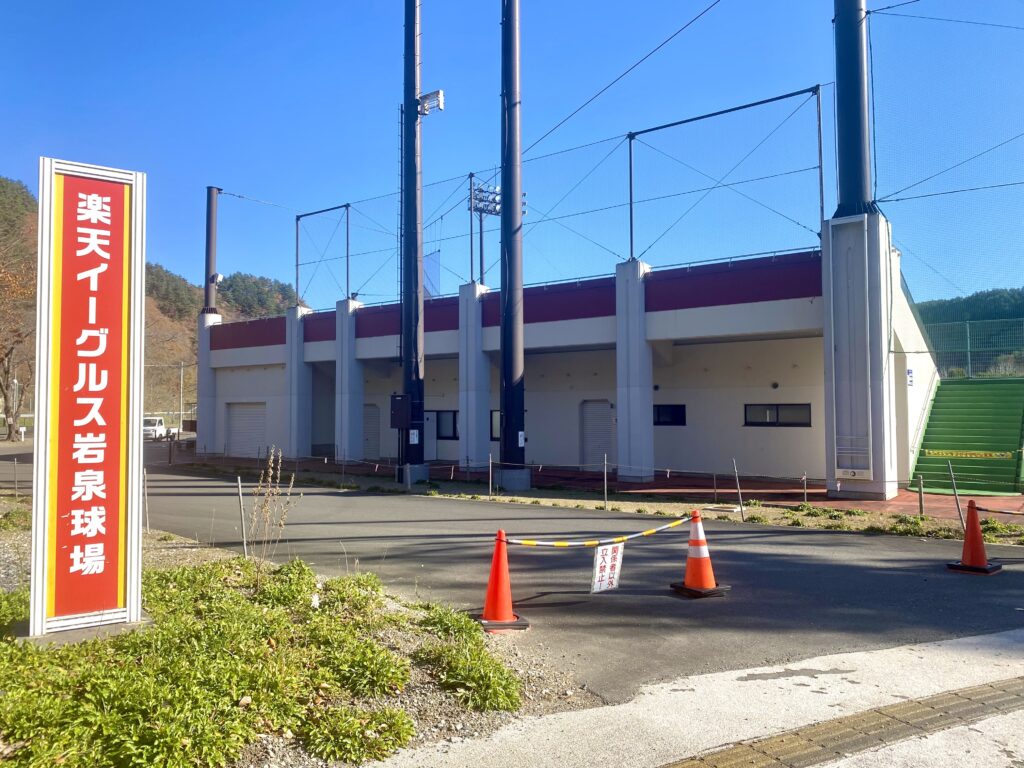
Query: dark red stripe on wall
790, 276
265, 332
319, 326
562, 301
438, 315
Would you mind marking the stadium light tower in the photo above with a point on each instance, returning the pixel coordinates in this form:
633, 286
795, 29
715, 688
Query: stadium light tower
409, 420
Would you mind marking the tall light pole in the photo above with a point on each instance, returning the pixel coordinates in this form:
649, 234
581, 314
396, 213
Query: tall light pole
513, 427
414, 106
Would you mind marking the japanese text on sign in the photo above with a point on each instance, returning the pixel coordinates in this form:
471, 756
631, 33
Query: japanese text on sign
607, 567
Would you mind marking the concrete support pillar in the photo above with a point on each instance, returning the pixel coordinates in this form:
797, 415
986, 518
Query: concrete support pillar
860, 389
207, 439
474, 379
300, 385
633, 379
348, 385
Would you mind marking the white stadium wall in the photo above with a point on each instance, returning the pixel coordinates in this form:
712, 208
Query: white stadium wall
715, 382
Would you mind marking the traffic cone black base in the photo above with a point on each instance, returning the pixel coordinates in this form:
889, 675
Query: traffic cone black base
982, 570
519, 623
719, 590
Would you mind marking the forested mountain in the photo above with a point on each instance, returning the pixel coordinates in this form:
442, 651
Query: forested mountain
241, 296
998, 304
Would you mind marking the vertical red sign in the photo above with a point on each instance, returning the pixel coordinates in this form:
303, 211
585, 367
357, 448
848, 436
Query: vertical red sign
88, 430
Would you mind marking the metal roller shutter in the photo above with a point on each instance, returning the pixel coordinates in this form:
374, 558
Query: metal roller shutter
597, 433
371, 432
246, 429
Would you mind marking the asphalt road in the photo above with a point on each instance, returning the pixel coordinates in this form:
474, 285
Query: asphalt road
796, 593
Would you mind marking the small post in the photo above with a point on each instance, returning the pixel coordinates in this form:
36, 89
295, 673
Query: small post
15, 477
970, 369
145, 495
490, 475
739, 493
956, 495
715, 481
606, 482
804, 479
241, 517
920, 496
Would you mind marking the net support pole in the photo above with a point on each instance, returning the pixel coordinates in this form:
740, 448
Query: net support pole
739, 493
956, 495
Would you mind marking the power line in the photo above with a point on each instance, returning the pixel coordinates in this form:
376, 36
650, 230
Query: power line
954, 191
951, 21
633, 66
897, 5
731, 187
576, 186
727, 175
953, 167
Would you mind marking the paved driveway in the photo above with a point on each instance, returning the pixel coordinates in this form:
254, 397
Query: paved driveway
796, 593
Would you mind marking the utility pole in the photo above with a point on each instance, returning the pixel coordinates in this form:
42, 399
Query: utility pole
181, 395
513, 429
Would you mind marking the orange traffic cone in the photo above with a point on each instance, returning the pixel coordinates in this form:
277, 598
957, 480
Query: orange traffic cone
497, 614
699, 580
973, 559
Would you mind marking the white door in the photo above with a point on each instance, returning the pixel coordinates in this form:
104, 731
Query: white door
430, 435
246, 429
371, 432
597, 434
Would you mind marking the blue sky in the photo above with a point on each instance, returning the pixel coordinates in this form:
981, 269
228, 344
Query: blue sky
296, 104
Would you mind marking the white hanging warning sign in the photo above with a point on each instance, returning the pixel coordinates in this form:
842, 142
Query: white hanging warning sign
607, 566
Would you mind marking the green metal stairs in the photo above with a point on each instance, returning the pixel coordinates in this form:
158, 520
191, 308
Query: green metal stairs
974, 416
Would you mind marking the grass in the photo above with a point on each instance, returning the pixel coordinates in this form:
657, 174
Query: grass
15, 514
232, 654
461, 663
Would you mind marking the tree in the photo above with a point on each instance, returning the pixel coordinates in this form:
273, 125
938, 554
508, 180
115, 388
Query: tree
17, 297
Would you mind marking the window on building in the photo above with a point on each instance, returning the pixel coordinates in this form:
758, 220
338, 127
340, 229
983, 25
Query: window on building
495, 425
670, 415
777, 415
447, 425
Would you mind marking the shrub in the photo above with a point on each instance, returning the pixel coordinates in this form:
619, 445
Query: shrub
452, 625
13, 608
815, 512
290, 586
836, 526
753, 503
365, 668
356, 735
855, 513
760, 519
796, 522
905, 525
477, 678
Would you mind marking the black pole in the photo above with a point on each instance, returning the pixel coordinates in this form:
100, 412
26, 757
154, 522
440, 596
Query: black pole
411, 440
298, 221
631, 137
210, 293
821, 169
512, 359
471, 278
348, 239
853, 137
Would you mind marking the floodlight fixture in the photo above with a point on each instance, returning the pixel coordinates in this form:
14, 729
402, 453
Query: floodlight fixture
429, 101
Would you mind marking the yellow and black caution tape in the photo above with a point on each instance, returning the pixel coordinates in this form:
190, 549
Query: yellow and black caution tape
597, 542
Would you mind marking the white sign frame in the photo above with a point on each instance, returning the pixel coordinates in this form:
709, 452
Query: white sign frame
46, 377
